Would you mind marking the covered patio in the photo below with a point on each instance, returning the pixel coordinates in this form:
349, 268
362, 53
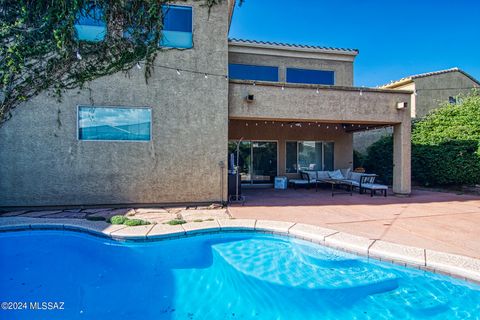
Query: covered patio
433, 220
287, 128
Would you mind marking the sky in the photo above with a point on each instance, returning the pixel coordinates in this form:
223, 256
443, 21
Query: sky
395, 38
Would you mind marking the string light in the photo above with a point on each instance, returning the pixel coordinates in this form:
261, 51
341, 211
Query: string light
206, 76
318, 91
178, 72
138, 66
79, 57
283, 88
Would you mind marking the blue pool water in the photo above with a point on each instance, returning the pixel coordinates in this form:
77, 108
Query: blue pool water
216, 276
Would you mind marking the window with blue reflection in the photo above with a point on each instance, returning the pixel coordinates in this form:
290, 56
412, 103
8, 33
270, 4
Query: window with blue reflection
90, 25
114, 123
251, 72
177, 27
310, 76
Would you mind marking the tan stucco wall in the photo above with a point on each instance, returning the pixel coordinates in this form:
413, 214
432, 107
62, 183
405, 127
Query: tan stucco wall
329, 104
259, 130
43, 163
436, 89
343, 69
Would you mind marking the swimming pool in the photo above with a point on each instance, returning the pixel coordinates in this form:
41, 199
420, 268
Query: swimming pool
216, 276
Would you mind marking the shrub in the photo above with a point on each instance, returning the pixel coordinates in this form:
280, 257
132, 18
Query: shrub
379, 159
175, 222
445, 146
118, 219
358, 159
135, 222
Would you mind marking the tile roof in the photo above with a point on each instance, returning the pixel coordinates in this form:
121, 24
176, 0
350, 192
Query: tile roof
289, 45
428, 74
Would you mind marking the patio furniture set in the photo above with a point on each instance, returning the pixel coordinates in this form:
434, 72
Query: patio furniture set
339, 182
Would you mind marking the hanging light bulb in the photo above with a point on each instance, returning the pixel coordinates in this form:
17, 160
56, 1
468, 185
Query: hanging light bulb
178, 72
336, 128
246, 124
415, 93
79, 57
283, 88
206, 76
254, 83
139, 66
328, 127
318, 91
226, 78
361, 92
265, 122
256, 124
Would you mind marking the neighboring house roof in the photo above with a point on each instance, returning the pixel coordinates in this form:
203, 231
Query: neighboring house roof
410, 79
300, 47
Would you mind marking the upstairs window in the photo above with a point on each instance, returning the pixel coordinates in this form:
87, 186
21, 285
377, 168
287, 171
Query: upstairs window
310, 76
177, 27
251, 72
114, 123
90, 25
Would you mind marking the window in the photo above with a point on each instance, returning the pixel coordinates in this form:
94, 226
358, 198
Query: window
251, 72
114, 123
90, 25
309, 155
177, 27
310, 76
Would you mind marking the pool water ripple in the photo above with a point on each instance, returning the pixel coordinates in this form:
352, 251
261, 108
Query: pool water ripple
218, 276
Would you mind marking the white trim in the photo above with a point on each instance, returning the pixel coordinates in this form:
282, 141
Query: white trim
297, 52
115, 107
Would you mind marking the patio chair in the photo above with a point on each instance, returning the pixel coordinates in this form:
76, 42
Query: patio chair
367, 182
306, 179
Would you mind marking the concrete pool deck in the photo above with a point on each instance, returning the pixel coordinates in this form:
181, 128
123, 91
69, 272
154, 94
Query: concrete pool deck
437, 221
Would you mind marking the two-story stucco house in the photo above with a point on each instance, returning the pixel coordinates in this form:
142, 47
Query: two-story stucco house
122, 141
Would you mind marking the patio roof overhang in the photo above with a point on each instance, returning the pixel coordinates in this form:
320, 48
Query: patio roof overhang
301, 102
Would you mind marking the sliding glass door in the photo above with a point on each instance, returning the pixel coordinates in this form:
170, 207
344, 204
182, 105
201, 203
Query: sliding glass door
257, 160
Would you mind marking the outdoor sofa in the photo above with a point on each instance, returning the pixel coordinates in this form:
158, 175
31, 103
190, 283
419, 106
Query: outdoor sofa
361, 181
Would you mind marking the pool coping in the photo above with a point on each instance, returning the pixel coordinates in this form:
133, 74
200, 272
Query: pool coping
462, 267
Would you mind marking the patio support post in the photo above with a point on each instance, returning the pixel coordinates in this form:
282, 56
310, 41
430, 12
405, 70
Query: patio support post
402, 158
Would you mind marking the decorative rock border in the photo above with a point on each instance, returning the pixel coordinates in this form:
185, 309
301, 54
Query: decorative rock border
462, 267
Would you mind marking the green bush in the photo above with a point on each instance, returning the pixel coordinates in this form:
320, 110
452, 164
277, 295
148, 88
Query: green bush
175, 222
445, 146
379, 159
118, 219
358, 159
135, 222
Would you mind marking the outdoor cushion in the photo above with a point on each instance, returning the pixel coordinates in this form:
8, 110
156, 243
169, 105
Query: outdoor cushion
374, 186
298, 181
322, 175
312, 175
337, 174
355, 176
